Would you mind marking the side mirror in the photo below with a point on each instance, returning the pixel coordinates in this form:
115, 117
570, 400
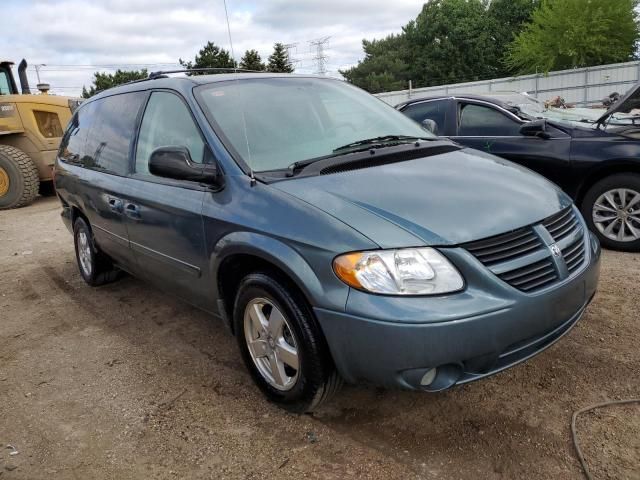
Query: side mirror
536, 128
175, 162
430, 126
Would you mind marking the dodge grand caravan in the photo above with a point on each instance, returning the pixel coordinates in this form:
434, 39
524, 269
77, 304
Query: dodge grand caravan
335, 237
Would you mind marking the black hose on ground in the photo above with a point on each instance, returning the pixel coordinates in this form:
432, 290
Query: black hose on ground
574, 436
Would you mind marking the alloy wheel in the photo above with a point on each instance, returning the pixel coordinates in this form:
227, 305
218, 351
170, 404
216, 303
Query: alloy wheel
616, 214
84, 252
271, 343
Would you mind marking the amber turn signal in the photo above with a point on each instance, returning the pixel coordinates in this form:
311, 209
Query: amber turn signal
345, 268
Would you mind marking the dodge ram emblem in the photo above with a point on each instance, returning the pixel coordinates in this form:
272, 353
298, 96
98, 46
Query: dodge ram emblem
555, 249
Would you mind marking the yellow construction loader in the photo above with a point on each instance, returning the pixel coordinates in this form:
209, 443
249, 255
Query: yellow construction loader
31, 127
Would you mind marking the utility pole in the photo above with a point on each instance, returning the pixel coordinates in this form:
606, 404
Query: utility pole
38, 69
320, 57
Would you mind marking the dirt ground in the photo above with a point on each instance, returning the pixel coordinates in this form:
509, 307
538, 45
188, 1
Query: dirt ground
123, 382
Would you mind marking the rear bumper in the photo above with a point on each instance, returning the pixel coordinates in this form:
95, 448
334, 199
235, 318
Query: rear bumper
465, 336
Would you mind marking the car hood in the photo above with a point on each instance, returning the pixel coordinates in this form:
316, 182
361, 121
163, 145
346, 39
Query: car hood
630, 101
444, 199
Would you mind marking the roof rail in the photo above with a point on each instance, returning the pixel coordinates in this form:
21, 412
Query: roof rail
163, 73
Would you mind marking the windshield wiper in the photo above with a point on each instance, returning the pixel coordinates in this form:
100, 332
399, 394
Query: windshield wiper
377, 142
380, 141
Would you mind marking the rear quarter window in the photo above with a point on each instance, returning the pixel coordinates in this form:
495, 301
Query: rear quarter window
112, 132
75, 136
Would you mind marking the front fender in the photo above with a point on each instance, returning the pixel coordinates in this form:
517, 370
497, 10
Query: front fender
318, 282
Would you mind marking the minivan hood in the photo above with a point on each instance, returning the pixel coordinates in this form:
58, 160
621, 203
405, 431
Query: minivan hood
630, 101
445, 199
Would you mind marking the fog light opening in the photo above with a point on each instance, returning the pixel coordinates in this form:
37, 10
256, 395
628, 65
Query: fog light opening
429, 377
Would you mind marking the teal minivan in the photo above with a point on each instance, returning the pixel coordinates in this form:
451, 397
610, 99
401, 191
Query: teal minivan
337, 239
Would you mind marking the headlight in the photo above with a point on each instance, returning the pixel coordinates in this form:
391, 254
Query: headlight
410, 271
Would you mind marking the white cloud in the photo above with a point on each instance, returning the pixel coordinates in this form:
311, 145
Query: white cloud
123, 32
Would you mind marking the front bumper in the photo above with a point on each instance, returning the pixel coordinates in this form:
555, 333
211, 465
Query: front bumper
491, 326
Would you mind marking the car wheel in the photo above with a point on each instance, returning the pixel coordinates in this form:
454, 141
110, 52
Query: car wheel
282, 345
95, 267
611, 209
19, 179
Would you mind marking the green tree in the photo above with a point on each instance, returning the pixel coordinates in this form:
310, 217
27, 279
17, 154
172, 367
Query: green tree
509, 18
102, 81
384, 66
567, 34
210, 56
252, 61
450, 41
279, 60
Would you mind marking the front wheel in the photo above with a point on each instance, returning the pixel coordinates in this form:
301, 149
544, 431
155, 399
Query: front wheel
282, 345
611, 209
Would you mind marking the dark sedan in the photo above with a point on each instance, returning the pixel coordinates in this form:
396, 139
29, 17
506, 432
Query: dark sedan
597, 164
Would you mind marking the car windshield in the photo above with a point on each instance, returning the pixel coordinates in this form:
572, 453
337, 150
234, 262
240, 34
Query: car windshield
274, 122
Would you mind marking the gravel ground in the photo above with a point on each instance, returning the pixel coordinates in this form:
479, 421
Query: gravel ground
124, 382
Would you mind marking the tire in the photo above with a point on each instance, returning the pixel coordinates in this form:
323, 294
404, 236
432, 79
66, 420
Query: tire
316, 379
627, 211
95, 267
19, 181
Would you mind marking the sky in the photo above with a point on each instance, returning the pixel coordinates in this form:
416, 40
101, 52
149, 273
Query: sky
74, 38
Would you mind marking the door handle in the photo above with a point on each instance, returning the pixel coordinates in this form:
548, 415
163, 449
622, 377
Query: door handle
115, 204
132, 210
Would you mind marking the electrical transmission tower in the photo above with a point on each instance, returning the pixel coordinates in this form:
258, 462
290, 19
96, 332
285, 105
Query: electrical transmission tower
291, 47
320, 57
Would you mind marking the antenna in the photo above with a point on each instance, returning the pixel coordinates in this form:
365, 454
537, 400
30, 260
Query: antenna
226, 14
320, 57
244, 120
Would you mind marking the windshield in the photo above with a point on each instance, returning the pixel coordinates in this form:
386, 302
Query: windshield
274, 122
5, 86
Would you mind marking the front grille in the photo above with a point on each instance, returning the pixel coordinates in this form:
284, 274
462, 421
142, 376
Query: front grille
502, 248
532, 277
562, 224
521, 258
574, 255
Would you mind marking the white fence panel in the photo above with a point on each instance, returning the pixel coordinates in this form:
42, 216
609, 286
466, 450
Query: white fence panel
581, 86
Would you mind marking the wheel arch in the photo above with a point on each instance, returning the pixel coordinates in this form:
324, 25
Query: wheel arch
600, 172
240, 253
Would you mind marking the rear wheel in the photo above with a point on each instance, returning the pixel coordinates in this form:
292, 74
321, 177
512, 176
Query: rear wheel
611, 208
95, 267
19, 181
282, 345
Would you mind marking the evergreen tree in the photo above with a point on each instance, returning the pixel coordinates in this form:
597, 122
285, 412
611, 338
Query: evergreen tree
252, 61
279, 60
210, 56
102, 81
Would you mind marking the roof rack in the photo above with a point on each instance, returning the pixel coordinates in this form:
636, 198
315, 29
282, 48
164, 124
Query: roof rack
163, 73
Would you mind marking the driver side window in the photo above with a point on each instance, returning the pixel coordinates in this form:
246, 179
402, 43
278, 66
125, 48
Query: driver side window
483, 121
167, 122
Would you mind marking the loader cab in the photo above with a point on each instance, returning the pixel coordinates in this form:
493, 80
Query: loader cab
7, 82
